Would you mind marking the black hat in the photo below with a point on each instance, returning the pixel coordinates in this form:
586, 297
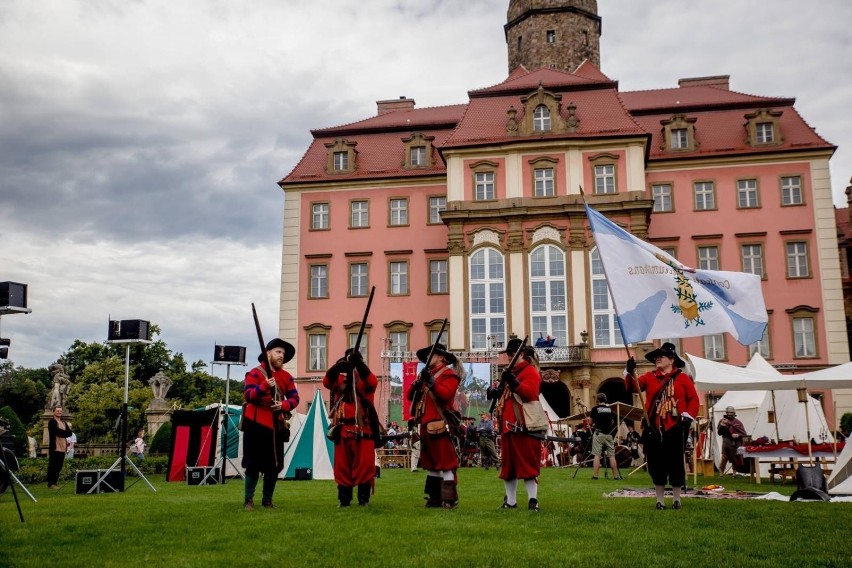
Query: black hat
439, 350
289, 350
513, 346
666, 350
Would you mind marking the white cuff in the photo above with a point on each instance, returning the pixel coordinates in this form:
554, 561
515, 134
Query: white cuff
687, 415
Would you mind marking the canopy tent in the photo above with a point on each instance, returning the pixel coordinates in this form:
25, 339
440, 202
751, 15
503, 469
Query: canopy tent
764, 400
232, 435
193, 443
840, 482
309, 447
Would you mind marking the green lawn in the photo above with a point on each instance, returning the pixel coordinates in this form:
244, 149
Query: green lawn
182, 525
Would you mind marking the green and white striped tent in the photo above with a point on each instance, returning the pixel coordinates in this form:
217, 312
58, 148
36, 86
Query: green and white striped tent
308, 446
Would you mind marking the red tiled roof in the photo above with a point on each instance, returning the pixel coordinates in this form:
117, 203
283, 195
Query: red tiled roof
554, 80
402, 119
723, 132
600, 113
687, 97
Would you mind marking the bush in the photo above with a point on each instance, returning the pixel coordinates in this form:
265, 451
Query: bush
17, 430
162, 440
846, 422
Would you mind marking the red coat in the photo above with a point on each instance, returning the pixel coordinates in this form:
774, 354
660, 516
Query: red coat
521, 453
259, 396
437, 453
366, 388
685, 396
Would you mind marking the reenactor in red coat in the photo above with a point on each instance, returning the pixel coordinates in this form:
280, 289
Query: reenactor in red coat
354, 426
433, 395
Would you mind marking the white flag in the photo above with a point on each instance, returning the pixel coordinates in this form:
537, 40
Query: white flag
657, 297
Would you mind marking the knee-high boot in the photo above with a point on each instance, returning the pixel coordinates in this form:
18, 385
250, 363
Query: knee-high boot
344, 495
364, 494
449, 495
433, 490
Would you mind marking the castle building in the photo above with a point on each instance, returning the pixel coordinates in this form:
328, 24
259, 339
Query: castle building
473, 212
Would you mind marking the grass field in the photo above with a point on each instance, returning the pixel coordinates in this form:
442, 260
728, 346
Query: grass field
183, 525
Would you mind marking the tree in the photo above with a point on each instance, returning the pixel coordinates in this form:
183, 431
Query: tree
846, 422
16, 429
24, 391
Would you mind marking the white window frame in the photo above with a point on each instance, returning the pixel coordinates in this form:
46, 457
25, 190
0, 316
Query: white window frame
804, 337
320, 216
605, 179
704, 195
398, 276
317, 351
436, 206
359, 216
791, 190
548, 294
761, 346
708, 257
747, 196
603, 309
341, 161
545, 184
359, 279
752, 258
798, 263
439, 276
764, 132
398, 207
484, 188
662, 195
319, 281
417, 155
486, 285
541, 119
714, 347
679, 138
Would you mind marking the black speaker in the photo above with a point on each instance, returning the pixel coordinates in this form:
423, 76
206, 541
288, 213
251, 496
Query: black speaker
229, 354
4, 347
86, 479
304, 474
128, 330
202, 476
13, 294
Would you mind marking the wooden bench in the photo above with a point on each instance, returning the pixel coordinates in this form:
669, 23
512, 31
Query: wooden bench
787, 468
395, 457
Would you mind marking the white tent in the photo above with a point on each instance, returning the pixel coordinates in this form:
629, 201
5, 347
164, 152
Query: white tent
840, 482
308, 446
231, 432
760, 375
755, 407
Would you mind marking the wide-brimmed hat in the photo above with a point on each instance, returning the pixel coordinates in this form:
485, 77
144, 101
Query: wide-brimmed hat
730, 411
666, 350
439, 350
289, 350
513, 346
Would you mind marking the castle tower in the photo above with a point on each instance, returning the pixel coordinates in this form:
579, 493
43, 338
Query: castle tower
560, 34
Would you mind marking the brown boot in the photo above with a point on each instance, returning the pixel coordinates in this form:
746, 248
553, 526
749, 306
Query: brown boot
449, 495
249, 505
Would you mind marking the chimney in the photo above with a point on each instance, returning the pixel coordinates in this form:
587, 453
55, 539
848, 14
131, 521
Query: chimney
718, 81
402, 103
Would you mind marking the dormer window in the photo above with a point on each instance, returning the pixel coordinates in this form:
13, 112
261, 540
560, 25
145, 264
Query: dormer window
764, 128
418, 151
764, 133
541, 119
341, 156
679, 134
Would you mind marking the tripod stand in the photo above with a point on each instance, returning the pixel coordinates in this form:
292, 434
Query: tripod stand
227, 423
10, 478
122, 444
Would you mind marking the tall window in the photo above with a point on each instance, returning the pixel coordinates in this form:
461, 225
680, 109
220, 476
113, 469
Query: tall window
317, 352
353, 337
548, 297
319, 281
436, 205
341, 161
705, 195
791, 190
680, 138
551, 36
714, 347
399, 341
544, 182
438, 277
804, 339
604, 322
708, 258
433, 337
752, 256
764, 132
487, 298
747, 193
541, 119
398, 211
399, 278
662, 194
761, 345
605, 179
484, 189
358, 279
360, 214
797, 260
319, 216
418, 155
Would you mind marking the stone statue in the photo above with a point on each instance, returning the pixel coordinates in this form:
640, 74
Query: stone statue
160, 384
61, 382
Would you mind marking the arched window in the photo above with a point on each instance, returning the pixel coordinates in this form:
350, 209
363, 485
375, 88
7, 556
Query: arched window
541, 119
605, 330
487, 299
548, 296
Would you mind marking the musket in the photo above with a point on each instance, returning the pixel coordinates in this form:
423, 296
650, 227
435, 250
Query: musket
418, 395
276, 397
356, 349
511, 366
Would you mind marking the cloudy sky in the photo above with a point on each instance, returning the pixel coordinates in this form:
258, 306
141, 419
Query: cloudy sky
141, 140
